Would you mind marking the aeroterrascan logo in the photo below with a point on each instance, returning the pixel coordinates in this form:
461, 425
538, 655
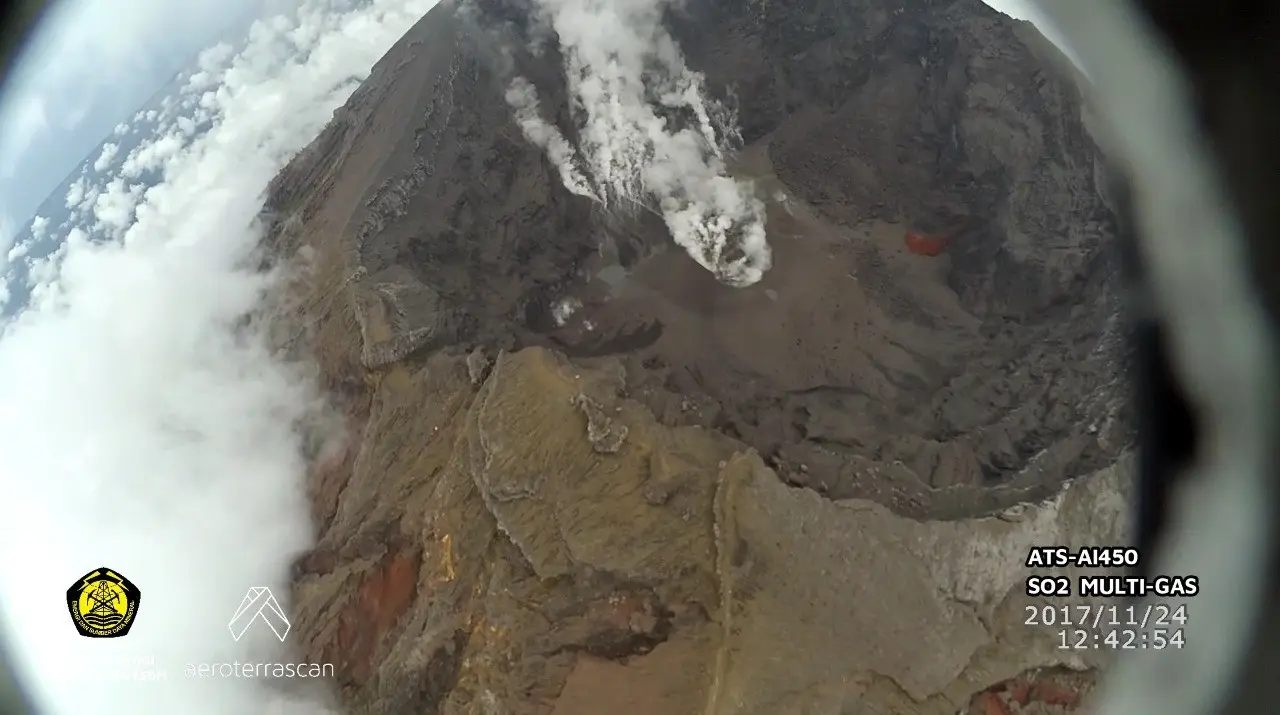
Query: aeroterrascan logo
259, 609
259, 606
103, 604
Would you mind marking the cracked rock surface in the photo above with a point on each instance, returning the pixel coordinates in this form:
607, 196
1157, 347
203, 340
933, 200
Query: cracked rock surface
811, 495
486, 556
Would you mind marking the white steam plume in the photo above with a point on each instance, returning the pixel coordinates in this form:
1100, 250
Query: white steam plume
523, 97
626, 74
142, 428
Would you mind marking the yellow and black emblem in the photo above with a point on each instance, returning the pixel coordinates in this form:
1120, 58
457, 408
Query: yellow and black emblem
103, 604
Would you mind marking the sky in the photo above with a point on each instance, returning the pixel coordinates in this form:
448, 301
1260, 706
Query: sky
92, 63
145, 426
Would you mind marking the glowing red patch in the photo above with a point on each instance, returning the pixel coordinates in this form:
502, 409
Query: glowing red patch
923, 245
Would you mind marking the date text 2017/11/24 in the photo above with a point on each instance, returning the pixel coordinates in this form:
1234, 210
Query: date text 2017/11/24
1149, 615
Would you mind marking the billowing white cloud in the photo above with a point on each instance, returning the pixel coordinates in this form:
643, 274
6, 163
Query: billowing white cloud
42, 272
104, 159
75, 193
39, 225
19, 250
648, 134
215, 58
186, 125
211, 65
90, 197
151, 156
113, 209
144, 427
200, 80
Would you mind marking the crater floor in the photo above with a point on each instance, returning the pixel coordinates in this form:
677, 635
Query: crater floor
574, 458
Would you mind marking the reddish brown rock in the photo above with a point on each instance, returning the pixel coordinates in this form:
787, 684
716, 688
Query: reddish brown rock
923, 245
991, 704
1020, 692
1041, 692
374, 607
1053, 693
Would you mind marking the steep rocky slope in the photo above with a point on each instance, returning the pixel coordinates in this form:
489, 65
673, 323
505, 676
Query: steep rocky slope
580, 471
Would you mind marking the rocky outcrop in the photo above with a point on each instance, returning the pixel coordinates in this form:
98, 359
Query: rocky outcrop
579, 473
485, 556
992, 365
